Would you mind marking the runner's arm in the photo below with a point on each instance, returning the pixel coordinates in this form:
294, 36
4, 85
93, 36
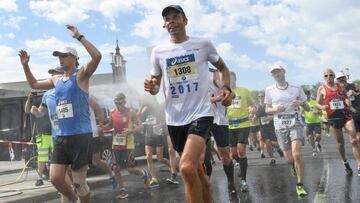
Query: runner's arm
38, 112
152, 84
318, 99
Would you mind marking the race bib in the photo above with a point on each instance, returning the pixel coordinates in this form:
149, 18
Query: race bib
157, 129
119, 140
336, 104
284, 120
236, 102
64, 110
182, 68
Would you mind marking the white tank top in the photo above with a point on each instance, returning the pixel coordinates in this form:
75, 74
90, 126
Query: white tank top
218, 109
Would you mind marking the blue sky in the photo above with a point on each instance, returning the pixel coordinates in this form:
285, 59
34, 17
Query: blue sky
306, 36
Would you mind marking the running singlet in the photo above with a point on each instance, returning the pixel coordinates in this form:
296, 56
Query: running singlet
49, 102
184, 69
237, 112
72, 107
355, 100
122, 120
335, 100
218, 109
312, 116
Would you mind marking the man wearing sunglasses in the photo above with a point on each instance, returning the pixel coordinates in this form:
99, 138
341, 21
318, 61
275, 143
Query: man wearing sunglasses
337, 106
73, 141
283, 100
353, 93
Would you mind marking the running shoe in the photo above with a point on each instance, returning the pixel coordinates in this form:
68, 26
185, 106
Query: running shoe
272, 162
300, 190
314, 153
348, 169
39, 182
154, 182
293, 171
262, 155
146, 178
251, 148
172, 179
123, 194
280, 152
243, 186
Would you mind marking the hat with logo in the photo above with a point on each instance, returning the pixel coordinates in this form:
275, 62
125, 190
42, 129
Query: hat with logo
177, 8
66, 50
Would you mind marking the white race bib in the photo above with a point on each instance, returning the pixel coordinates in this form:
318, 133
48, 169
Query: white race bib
236, 102
264, 120
284, 120
64, 111
182, 68
336, 104
119, 140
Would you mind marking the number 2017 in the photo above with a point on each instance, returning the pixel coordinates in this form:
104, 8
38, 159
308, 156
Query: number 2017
181, 88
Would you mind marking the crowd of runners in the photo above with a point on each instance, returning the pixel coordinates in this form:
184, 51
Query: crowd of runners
202, 104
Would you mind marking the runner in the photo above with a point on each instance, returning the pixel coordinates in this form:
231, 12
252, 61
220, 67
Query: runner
255, 130
283, 100
352, 90
239, 127
74, 136
182, 64
41, 130
125, 123
313, 125
220, 130
153, 128
267, 130
338, 106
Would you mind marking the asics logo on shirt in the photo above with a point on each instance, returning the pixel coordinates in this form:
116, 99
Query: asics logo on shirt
180, 59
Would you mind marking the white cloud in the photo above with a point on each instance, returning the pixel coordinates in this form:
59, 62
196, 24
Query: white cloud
14, 21
8, 5
10, 35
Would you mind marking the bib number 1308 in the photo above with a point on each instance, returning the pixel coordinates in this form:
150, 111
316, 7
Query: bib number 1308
180, 89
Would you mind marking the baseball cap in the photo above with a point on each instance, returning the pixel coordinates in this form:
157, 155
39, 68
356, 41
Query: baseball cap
119, 96
58, 70
177, 8
339, 75
276, 66
66, 50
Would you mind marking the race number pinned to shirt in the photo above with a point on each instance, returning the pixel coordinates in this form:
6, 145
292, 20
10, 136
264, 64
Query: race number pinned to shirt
64, 110
336, 104
236, 102
120, 140
285, 120
181, 68
264, 120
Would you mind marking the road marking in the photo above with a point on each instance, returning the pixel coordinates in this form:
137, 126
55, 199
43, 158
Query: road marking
323, 185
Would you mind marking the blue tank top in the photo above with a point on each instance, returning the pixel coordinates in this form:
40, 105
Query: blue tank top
49, 102
72, 107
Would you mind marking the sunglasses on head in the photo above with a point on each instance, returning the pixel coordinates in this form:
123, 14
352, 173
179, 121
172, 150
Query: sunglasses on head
329, 75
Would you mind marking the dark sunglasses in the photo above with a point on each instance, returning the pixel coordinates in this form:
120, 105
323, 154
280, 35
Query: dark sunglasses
328, 76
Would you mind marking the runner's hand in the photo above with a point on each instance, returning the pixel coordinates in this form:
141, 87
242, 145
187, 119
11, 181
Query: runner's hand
295, 103
74, 31
324, 107
280, 108
226, 97
24, 57
150, 85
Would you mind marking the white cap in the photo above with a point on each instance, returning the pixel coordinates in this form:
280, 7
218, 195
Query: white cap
66, 50
339, 75
276, 66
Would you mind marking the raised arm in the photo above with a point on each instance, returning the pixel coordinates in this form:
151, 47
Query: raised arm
34, 84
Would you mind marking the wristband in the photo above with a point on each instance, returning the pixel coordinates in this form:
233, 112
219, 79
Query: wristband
80, 37
227, 87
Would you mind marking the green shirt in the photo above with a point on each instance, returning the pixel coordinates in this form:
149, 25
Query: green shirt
237, 112
312, 116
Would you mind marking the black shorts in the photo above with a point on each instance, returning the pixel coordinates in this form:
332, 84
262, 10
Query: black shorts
74, 150
337, 123
179, 134
254, 129
238, 136
357, 123
313, 128
154, 141
220, 134
96, 145
268, 132
124, 158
